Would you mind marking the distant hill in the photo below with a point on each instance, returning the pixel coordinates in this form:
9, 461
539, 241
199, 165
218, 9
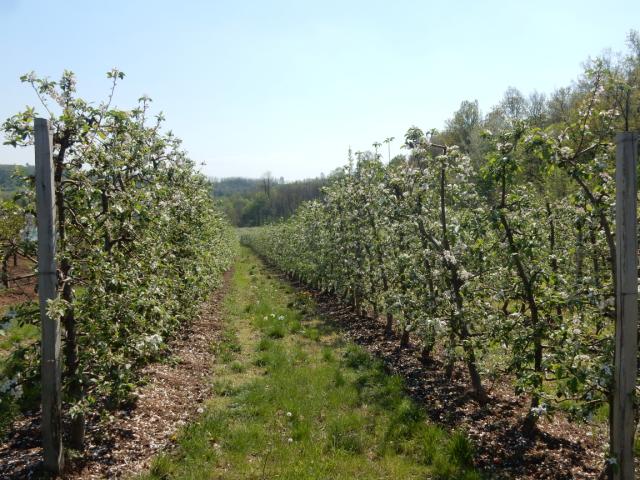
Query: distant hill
9, 182
225, 187
246, 201
256, 201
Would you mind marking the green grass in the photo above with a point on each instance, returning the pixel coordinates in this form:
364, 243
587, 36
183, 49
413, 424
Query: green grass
288, 404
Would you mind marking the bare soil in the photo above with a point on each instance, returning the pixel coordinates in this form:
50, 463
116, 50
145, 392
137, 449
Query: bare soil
22, 290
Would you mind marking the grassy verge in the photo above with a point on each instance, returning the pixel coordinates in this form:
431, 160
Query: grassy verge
293, 401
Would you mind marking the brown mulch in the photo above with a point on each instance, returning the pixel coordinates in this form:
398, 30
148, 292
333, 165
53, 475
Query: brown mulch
125, 443
560, 450
22, 290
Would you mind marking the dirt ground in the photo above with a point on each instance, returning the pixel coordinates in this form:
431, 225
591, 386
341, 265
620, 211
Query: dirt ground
19, 291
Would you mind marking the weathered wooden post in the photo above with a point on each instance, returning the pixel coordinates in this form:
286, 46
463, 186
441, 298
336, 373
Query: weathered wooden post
627, 306
47, 289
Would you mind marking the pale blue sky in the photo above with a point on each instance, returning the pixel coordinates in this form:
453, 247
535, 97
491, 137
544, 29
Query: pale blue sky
287, 86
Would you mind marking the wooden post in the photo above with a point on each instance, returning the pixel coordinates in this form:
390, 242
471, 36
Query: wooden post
47, 289
627, 307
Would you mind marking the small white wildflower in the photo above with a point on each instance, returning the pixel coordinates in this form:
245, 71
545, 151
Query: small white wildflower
200, 410
541, 410
290, 440
289, 414
281, 317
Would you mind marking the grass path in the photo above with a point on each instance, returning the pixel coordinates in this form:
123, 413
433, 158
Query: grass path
291, 400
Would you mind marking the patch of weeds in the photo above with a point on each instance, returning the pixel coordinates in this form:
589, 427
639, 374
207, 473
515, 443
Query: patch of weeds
224, 388
246, 438
345, 432
302, 302
277, 330
338, 378
237, 367
228, 346
429, 443
443, 469
455, 460
460, 449
376, 387
14, 333
226, 356
162, 467
172, 360
327, 355
300, 429
230, 341
264, 344
403, 423
312, 334
357, 357
295, 326
272, 359
299, 356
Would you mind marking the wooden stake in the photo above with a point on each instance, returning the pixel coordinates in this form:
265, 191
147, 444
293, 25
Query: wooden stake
623, 427
47, 290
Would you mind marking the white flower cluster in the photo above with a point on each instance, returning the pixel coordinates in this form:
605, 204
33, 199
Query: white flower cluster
504, 147
566, 153
449, 257
10, 386
464, 275
150, 343
582, 358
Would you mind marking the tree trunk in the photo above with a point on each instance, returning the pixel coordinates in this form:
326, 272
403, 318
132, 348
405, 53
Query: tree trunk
388, 329
76, 393
425, 353
4, 276
404, 339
